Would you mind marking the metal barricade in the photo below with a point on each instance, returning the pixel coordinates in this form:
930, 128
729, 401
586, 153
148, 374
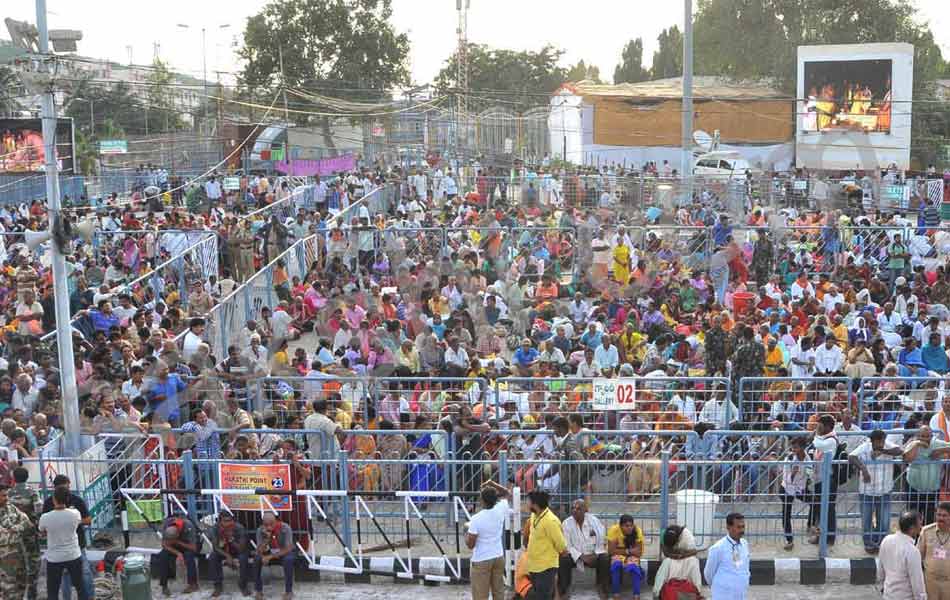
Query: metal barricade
884, 401
653, 475
796, 401
662, 403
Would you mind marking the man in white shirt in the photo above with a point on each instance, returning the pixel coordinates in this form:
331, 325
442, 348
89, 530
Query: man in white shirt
192, 338
802, 363
825, 443
606, 355
484, 539
29, 313
323, 431
874, 486
832, 298
63, 553
281, 321
718, 411
213, 189
579, 309
889, 320
455, 355
24, 395
899, 566
586, 539
829, 358
799, 291
588, 367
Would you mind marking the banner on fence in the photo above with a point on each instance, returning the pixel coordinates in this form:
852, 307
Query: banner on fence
83, 470
615, 394
324, 166
251, 477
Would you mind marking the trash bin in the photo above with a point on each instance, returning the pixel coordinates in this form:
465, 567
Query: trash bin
135, 579
742, 302
696, 510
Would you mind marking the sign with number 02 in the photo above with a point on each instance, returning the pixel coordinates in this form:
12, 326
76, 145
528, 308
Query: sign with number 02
615, 394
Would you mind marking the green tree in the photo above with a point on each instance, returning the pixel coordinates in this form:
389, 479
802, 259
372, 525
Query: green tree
581, 71
115, 109
9, 83
341, 48
520, 79
162, 113
668, 57
630, 69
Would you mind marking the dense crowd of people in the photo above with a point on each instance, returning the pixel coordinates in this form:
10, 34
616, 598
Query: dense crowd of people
450, 310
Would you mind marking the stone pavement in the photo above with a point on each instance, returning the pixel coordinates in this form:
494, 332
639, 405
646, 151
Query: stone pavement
326, 591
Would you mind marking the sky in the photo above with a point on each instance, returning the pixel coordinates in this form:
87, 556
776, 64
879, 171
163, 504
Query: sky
595, 31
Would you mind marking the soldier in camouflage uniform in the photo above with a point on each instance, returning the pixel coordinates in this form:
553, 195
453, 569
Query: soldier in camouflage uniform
716, 349
749, 358
26, 499
14, 525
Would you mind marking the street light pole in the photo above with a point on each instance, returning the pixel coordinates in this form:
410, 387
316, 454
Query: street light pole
64, 337
686, 166
204, 70
204, 63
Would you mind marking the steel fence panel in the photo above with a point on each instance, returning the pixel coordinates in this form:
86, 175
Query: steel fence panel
691, 246
662, 403
620, 474
884, 401
794, 400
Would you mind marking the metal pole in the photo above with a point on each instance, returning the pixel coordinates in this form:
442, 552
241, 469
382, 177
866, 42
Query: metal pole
204, 70
64, 336
686, 166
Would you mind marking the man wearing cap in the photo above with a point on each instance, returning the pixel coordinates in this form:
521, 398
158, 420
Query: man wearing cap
179, 543
275, 545
911, 360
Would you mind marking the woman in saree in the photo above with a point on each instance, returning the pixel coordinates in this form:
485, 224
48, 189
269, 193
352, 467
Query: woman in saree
362, 447
621, 255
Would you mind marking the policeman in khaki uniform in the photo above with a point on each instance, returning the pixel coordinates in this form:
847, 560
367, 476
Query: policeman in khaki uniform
27, 500
934, 546
14, 525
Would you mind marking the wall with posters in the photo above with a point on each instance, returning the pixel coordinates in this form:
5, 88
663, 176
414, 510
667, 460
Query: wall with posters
854, 106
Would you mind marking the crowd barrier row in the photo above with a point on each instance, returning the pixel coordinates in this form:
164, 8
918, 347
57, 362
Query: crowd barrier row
329, 494
658, 403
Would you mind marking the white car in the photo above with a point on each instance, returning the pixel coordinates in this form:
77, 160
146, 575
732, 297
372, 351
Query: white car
721, 164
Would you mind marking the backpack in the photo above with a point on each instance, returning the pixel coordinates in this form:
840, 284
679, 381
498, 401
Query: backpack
679, 589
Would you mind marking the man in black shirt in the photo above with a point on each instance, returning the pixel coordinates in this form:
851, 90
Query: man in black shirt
179, 541
74, 501
230, 547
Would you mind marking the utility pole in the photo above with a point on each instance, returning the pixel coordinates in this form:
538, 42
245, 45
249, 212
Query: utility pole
686, 166
283, 87
64, 337
461, 71
204, 70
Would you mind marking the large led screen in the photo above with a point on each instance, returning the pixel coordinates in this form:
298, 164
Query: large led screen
850, 95
22, 150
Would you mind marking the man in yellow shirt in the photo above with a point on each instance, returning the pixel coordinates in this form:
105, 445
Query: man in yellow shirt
545, 545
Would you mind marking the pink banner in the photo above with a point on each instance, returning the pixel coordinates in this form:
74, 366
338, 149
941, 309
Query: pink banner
324, 166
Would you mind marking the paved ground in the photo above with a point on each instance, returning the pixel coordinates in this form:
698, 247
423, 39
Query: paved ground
326, 591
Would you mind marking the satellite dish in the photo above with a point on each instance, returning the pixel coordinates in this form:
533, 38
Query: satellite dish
702, 139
